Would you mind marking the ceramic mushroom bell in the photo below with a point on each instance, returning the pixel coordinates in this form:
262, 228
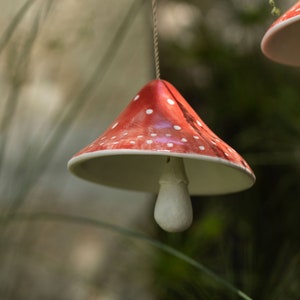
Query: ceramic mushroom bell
281, 42
159, 144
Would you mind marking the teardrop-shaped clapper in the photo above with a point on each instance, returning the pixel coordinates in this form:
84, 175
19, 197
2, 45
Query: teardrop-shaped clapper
173, 209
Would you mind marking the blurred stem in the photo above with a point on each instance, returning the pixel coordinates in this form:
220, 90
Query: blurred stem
42, 159
14, 24
20, 65
12, 99
44, 216
18, 76
48, 7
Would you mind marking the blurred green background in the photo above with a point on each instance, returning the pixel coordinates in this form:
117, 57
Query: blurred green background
67, 69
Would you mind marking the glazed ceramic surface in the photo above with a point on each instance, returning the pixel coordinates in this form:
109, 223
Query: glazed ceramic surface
281, 42
157, 123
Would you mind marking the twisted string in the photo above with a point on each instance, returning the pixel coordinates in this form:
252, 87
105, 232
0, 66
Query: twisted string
155, 38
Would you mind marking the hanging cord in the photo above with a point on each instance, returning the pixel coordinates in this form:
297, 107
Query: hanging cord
155, 38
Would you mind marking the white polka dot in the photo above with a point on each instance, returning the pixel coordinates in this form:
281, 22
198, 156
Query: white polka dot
170, 101
213, 142
153, 134
136, 97
226, 154
132, 142
168, 134
113, 137
125, 133
149, 111
202, 148
196, 137
101, 144
149, 142
184, 140
170, 145
115, 125
217, 140
177, 127
115, 143
140, 136
199, 123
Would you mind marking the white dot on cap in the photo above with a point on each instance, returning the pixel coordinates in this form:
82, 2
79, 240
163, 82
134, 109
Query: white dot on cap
149, 142
153, 134
170, 101
113, 137
170, 145
196, 137
149, 111
115, 125
132, 142
199, 123
202, 148
184, 140
177, 127
168, 134
136, 97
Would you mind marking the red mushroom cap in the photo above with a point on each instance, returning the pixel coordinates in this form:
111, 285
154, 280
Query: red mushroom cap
158, 123
281, 42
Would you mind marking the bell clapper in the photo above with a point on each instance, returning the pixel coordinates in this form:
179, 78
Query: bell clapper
173, 209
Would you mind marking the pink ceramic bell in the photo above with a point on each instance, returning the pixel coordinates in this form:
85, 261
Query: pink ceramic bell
281, 42
159, 144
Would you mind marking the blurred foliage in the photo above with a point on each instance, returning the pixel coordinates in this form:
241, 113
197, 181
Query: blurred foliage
210, 50
252, 238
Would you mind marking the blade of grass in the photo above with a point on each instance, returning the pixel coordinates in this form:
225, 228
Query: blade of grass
65, 218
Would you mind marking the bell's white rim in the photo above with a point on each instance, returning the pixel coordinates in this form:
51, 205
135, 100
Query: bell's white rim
86, 156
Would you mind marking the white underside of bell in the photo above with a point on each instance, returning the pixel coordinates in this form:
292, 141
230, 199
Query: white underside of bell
281, 43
